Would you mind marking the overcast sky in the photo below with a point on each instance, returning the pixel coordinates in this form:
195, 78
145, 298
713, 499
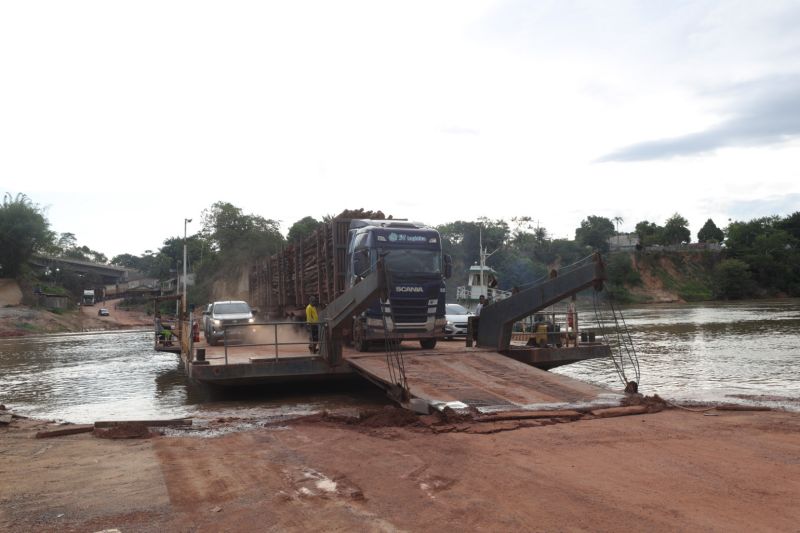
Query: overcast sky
122, 119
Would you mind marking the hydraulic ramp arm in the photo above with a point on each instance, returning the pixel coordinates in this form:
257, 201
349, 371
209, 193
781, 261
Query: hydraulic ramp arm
497, 319
338, 315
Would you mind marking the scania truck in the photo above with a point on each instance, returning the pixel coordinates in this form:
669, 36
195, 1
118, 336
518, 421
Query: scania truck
339, 253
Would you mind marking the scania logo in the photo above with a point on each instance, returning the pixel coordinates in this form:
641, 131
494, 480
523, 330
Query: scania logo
401, 288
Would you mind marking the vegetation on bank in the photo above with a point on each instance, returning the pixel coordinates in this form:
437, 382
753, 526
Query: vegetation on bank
759, 258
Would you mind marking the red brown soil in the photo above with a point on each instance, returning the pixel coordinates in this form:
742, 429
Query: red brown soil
21, 320
673, 470
124, 431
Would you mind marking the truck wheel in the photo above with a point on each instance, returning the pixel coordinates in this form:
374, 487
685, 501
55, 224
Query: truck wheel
428, 344
362, 345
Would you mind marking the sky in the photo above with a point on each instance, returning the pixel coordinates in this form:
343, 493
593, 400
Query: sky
123, 119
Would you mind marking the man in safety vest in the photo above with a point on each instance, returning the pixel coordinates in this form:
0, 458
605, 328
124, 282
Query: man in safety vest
312, 319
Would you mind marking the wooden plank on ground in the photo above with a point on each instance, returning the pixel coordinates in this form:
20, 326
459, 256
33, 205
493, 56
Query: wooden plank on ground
527, 415
148, 423
68, 430
620, 411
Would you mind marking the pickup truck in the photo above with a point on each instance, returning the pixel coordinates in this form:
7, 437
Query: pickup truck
218, 315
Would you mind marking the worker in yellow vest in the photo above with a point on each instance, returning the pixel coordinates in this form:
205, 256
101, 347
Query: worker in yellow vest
312, 320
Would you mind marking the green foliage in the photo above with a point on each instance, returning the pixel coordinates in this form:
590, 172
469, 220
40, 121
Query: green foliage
235, 234
649, 233
302, 229
770, 249
696, 290
461, 240
24, 230
620, 271
790, 225
710, 233
676, 230
732, 280
595, 232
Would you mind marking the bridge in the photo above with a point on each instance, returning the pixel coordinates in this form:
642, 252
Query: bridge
109, 274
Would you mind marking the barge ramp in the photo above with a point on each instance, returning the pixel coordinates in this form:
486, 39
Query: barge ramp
482, 379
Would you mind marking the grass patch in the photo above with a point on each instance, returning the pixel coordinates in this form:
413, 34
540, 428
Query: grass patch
696, 291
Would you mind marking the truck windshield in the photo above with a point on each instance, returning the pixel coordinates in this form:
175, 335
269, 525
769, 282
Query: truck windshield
405, 260
232, 308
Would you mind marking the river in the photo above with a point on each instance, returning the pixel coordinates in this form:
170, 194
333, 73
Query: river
747, 352
742, 352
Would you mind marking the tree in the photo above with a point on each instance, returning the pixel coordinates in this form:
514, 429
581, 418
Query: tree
649, 233
24, 230
595, 232
710, 233
676, 230
302, 229
230, 231
791, 224
617, 221
732, 279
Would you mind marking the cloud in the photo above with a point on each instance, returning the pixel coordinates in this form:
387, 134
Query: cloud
772, 205
759, 113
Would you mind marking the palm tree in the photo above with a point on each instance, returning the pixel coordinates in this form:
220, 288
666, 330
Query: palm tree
618, 220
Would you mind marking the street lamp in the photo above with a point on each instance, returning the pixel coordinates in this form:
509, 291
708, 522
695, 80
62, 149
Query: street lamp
185, 221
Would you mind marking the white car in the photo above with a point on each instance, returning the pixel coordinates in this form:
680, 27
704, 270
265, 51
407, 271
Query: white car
457, 317
219, 315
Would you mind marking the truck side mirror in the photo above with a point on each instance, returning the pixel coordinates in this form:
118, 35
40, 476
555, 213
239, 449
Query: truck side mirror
448, 266
254, 311
360, 262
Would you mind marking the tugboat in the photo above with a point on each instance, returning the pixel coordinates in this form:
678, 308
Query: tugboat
481, 281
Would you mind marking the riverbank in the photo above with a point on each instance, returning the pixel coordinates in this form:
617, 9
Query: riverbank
673, 470
21, 320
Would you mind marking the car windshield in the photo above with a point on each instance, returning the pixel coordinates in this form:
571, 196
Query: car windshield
455, 309
231, 308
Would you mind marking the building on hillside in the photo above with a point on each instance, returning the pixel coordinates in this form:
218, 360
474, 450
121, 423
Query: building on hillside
624, 242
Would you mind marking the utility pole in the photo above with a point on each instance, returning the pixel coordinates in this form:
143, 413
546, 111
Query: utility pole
185, 222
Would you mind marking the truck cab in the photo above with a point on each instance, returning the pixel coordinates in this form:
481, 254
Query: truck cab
416, 270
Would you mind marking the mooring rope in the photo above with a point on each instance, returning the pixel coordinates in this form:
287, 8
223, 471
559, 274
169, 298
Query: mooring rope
394, 357
624, 343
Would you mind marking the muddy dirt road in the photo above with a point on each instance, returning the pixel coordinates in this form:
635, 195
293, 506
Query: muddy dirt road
674, 470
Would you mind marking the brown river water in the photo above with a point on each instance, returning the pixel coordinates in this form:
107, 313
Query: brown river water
744, 352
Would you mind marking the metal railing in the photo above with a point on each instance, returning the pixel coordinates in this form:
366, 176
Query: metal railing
268, 334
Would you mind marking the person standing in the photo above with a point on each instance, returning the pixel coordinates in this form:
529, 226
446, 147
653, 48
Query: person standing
481, 304
475, 319
312, 320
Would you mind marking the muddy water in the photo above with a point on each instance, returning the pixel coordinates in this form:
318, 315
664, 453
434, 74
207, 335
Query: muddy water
745, 352
742, 352
118, 376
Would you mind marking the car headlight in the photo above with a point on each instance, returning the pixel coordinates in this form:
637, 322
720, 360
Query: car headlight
217, 322
251, 320
449, 323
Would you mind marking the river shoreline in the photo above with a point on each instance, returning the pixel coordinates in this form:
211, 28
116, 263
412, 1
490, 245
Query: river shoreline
734, 471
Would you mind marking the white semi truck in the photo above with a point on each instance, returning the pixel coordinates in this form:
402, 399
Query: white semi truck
88, 297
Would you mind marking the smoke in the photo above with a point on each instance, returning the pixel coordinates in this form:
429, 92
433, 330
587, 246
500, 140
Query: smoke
287, 332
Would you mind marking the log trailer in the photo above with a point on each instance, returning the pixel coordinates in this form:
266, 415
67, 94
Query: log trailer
341, 253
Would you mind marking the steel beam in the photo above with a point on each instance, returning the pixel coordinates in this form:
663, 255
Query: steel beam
497, 319
338, 315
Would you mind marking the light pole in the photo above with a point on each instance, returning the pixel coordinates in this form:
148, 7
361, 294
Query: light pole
185, 221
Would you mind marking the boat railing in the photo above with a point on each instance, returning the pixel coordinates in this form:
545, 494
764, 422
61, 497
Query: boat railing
473, 292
